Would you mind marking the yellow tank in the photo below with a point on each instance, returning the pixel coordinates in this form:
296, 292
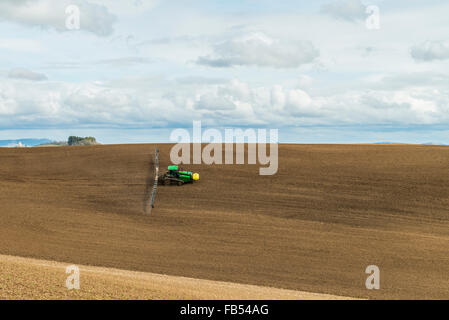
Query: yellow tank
196, 176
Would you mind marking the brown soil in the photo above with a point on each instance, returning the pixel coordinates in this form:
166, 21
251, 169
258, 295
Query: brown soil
331, 211
25, 278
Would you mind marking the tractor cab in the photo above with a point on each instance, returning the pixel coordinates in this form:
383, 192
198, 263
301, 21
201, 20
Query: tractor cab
173, 170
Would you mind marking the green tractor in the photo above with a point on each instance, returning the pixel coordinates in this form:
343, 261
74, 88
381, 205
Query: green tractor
176, 176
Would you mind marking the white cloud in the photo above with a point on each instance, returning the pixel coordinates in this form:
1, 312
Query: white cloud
237, 89
49, 104
211, 101
298, 103
127, 7
431, 50
305, 80
350, 10
258, 49
26, 74
94, 18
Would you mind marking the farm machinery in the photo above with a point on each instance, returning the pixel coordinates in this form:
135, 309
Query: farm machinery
177, 176
173, 176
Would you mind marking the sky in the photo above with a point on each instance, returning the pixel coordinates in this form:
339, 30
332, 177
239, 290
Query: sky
327, 71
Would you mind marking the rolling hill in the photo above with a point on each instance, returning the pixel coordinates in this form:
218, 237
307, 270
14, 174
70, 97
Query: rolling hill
329, 212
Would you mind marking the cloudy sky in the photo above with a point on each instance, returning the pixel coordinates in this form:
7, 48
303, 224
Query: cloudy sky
319, 71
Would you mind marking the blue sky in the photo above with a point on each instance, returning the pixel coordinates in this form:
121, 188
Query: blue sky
313, 69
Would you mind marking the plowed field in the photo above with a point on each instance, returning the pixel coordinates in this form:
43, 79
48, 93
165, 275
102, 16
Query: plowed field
329, 212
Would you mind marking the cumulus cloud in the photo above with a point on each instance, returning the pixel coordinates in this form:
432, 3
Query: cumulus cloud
239, 90
258, 49
49, 104
430, 50
211, 101
291, 101
349, 10
26, 74
94, 18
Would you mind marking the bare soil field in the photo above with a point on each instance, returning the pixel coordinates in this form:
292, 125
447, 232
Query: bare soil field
329, 212
25, 278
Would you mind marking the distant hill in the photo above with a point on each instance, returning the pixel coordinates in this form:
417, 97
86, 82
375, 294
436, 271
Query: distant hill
389, 142
25, 142
434, 144
424, 144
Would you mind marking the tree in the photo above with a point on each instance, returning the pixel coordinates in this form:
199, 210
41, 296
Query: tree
79, 141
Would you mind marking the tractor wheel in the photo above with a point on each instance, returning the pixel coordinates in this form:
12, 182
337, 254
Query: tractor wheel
167, 182
180, 183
